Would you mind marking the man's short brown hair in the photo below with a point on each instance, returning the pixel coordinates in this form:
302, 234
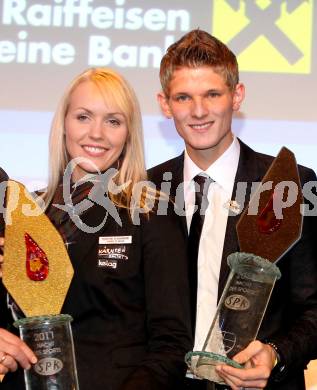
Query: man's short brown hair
195, 49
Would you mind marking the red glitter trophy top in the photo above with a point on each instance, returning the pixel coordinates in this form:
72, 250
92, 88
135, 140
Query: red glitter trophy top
36, 260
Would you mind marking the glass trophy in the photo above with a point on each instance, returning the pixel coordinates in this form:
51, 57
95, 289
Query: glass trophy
268, 227
37, 273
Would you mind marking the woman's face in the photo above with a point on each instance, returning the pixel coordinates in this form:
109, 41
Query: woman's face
95, 131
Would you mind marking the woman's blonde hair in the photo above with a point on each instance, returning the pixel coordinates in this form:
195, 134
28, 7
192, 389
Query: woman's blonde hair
113, 87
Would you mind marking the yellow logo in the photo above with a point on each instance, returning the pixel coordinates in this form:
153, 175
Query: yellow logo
267, 35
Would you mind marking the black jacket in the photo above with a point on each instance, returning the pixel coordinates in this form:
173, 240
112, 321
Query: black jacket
131, 322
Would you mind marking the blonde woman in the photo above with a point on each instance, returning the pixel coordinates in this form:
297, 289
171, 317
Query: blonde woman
128, 298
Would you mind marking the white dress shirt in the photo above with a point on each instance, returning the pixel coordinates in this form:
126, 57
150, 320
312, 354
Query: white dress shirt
223, 172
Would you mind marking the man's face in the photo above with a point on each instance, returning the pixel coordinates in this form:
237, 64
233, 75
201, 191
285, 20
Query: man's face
202, 105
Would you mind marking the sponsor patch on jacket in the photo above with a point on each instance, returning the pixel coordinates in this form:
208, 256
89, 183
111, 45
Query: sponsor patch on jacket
113, 250
115, 240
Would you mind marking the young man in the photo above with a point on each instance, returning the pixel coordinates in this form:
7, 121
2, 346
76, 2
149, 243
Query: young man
200, 92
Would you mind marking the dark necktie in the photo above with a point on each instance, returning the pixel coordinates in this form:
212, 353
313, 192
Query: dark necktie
201, 186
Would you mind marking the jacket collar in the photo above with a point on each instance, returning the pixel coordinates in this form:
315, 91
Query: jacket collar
248, 171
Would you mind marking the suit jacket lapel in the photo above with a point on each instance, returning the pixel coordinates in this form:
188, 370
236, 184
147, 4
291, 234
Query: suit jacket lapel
85, 241
177, 169
248, 171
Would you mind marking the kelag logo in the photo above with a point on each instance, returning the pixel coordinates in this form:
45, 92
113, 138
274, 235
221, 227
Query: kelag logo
267, 35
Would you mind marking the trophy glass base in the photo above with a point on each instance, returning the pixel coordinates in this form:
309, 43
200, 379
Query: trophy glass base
51, 339
203, 364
